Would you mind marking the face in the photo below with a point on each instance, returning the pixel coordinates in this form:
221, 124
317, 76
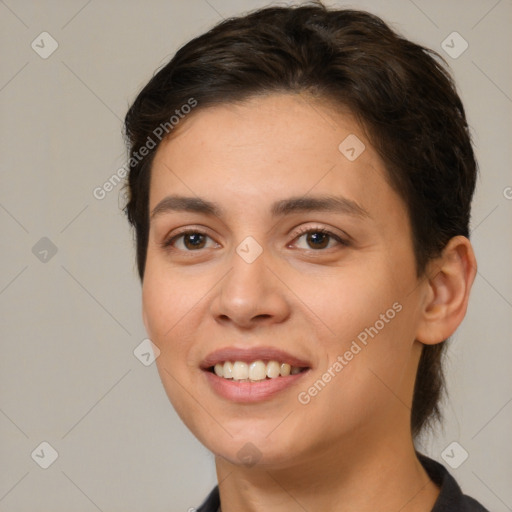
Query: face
297, 252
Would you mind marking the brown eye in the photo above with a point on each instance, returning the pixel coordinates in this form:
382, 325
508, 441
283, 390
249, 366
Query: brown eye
187, 241
319, 238
193, 240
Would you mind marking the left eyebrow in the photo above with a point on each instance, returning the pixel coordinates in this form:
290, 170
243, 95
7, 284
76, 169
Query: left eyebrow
326, 203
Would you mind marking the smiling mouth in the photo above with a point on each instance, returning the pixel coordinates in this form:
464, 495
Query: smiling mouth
255, 371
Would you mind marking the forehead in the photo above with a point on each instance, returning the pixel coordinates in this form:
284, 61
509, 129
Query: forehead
266, 149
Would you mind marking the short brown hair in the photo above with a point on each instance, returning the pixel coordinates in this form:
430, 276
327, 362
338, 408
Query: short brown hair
399, 91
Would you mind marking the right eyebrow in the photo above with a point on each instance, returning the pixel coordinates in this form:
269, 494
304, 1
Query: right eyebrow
186, 204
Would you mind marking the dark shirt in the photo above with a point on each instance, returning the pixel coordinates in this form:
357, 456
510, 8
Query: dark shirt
450, 497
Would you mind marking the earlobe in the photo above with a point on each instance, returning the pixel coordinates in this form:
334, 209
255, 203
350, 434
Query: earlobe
450, 278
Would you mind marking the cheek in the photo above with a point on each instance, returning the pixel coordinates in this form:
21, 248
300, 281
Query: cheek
174, 304
165, 309
166, 297
370, 323
366, 376
349, 300
168, 305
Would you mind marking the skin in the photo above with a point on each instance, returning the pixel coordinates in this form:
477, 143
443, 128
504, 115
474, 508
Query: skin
350, 448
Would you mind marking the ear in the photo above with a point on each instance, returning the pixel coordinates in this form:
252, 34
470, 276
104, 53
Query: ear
449, 281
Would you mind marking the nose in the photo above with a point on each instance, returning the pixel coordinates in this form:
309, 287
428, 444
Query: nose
250, 294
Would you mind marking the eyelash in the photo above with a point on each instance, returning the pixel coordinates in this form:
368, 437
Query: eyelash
305, 230
168, 243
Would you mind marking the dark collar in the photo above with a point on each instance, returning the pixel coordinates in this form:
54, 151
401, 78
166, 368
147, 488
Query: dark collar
450, 498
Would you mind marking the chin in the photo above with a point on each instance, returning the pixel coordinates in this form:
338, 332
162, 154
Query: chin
251, 447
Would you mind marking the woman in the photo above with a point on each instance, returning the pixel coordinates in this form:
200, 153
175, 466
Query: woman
300, 187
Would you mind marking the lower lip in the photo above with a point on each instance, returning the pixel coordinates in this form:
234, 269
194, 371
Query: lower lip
247, 392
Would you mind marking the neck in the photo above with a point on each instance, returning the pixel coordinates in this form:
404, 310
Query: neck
379, 476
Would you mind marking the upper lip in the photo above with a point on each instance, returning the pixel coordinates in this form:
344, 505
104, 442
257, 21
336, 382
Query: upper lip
248, 355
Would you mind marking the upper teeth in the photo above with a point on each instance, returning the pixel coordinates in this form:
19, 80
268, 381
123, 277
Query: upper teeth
256, 370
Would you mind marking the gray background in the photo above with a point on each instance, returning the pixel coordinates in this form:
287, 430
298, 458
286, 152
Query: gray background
71, 320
